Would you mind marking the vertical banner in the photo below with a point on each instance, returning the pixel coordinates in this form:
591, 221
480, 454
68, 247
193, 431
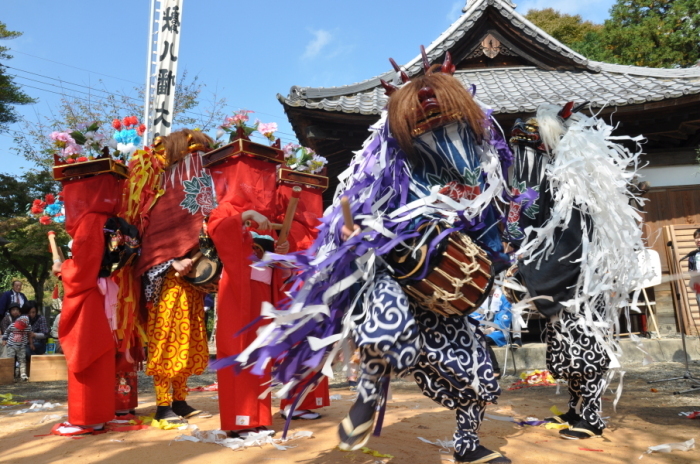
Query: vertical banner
162, 67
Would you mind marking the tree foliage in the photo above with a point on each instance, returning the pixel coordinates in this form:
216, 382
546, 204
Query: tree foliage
10, 93
25, 250
654, 33
567, 29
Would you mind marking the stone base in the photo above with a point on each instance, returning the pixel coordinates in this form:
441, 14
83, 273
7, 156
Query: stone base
532, 355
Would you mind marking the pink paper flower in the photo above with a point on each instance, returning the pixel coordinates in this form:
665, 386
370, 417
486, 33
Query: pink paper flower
267, 128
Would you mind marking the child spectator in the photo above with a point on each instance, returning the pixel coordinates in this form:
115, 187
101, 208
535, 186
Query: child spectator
40, 328
16, 338
10, 316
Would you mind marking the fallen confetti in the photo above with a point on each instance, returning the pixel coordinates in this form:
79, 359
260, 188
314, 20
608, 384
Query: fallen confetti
336, 397
690, 415
668, 447
375, 453
500, 418
219, 437
6, 399
167, 425
50, 418
35, 407
555, 410
589, 449
444, 444
532, 423
536, 378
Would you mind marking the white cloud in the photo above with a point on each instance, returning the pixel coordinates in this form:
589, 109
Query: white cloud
320, 40
455, 11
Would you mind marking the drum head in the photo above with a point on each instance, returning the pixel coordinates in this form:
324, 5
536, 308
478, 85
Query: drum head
407, 264
204, 271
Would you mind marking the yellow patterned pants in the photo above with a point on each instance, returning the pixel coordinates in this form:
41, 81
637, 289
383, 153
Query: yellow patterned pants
177, 339
163, 385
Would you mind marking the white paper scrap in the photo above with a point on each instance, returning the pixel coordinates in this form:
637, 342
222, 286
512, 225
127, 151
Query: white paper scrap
668, 447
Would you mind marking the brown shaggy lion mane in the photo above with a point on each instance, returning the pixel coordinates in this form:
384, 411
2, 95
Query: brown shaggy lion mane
177, 145
405, 110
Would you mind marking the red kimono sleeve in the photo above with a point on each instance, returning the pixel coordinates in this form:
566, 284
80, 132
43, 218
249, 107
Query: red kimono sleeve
84, 331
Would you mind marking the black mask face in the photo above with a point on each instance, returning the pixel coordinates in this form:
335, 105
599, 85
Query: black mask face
122, 245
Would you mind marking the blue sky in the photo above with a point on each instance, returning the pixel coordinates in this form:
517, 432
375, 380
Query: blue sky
247, 52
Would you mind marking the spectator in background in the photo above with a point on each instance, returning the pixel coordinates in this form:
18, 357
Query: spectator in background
54, 333
12, 296
40, 329
694, 262
16, 339
9, 317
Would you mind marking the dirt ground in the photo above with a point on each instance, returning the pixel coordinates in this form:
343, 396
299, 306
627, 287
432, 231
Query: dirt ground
644, 418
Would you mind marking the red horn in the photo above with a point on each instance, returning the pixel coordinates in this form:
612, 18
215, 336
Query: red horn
426, 62
404, 76
388, 88
447, 66
565, 112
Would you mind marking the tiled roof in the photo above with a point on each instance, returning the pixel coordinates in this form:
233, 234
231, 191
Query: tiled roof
472, 13
523, 89
519, 89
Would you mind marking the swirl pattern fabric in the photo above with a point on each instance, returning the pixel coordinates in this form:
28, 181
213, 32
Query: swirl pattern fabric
470, 415
389, 330
163, 386
575, 355
446, 356
453, 365
177, 342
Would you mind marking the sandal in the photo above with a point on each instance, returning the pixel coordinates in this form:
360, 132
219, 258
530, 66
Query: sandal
482, 455
166, 413
181, 408
356, 428
568, 418
580, 431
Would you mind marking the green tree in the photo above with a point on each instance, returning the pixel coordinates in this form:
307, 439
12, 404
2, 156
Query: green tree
24, 246
10, 93
567, 29
583, 37
655, 33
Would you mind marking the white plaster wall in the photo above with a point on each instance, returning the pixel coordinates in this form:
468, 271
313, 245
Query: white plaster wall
671, 176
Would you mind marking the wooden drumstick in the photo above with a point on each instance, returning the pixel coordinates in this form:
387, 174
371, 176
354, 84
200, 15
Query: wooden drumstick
56, 253
194, 259
289, 215
347, 214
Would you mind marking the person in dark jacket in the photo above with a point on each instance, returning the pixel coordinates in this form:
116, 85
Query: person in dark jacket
40, 329
14, 295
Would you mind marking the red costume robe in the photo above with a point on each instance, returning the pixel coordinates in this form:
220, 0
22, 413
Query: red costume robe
177, 345
242, 183
87, 340
309, 209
